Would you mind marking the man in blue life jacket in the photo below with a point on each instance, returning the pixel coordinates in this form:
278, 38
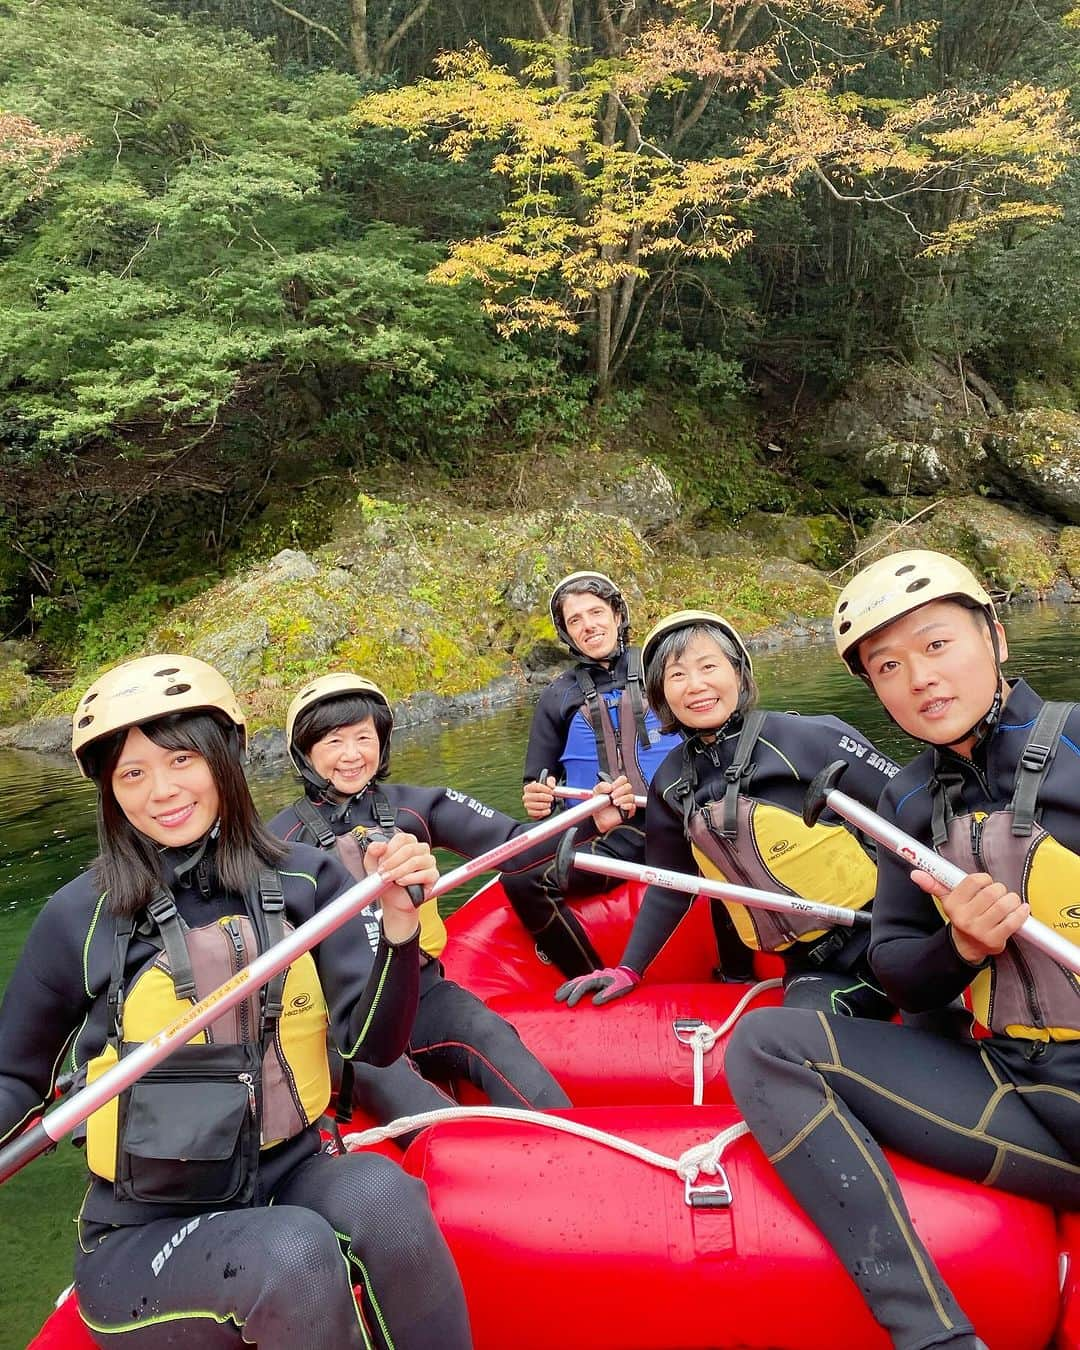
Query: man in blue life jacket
593, 719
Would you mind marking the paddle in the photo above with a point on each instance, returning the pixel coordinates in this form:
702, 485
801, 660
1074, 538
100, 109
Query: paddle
572, 794
823, 793
830, 916
62, 1119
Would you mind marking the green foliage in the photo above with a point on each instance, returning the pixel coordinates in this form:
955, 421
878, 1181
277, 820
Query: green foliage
201, 245
718, 467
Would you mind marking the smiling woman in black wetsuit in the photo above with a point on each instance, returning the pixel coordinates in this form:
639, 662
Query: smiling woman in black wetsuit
213, 1216
728, 803
339, 730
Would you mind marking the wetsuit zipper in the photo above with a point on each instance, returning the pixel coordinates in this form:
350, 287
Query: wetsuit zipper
232, 928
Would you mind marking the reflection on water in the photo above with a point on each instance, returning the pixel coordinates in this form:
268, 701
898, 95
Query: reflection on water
47, 817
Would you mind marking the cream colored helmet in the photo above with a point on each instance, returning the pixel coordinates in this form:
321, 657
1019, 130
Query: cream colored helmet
689, 618
598, 584
895, 586
145, 689
338, 685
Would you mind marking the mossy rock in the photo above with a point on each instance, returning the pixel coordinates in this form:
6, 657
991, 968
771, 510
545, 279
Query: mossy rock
925, 466
1037, 460
1013, 552
1008, 550
434, 600
20, 693
1069, 548
752, 595
642, 494
816, 540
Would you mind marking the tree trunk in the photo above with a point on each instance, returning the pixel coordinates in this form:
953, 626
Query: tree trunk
602, 344
358, 36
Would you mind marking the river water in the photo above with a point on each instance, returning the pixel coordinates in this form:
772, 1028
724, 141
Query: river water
47, 837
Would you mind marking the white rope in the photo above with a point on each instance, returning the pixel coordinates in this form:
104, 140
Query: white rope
702, 1039
699, 1158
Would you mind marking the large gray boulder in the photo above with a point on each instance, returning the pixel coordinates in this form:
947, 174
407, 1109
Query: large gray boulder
909, 431
1035, 458
950, 458
644, 495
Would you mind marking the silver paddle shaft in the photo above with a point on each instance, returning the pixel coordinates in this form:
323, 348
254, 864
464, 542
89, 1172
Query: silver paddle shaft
829, 916
1031, 931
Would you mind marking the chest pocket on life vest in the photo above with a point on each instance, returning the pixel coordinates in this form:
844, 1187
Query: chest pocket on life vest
263, 1063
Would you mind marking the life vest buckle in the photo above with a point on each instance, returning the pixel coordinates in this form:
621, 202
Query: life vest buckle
827, 948
1035, 756
162, 908
712, 1194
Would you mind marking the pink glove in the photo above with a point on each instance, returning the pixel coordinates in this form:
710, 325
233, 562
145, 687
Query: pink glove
609, 984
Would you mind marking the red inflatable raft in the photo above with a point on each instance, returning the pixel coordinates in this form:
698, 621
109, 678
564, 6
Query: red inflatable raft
563, 1240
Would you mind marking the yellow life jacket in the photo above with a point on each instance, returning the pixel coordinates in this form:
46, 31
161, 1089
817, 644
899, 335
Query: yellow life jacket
290, 1017
351, 849
1022, 992
759, 844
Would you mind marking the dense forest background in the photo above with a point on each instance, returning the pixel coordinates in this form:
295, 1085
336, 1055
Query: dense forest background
248, 248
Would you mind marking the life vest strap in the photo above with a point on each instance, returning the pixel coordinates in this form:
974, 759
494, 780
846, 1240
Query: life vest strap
635, 687
597, 711
739, 771
272, 903
314, 823
1034, 764
162, 909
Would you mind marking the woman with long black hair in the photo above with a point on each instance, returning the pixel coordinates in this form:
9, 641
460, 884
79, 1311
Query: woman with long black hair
213, 1215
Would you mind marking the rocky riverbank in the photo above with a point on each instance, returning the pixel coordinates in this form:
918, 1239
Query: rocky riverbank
438, 590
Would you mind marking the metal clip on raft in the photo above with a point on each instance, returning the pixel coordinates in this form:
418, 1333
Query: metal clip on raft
709, 1194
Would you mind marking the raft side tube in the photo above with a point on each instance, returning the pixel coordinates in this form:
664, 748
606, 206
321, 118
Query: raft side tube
633, 1267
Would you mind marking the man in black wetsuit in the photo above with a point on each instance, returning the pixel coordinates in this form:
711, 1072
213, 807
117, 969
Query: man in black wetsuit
592, 720
996, 792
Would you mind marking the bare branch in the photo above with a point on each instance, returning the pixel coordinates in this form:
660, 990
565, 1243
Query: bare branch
311, 23
683, 124
413, 17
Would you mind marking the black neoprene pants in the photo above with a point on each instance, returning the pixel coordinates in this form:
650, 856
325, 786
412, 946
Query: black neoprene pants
282, 1276
541, 905
455, 1037
823, 1094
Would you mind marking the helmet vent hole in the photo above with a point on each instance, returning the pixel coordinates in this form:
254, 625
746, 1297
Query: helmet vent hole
85, 721
845, 626
917, 585
907, 567
177, 689
169, 670
90, 698
841, 606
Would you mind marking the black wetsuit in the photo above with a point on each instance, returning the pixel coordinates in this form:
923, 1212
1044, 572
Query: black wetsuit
454, 1036
790, 750
824, 1094
155, 1275
562, 743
